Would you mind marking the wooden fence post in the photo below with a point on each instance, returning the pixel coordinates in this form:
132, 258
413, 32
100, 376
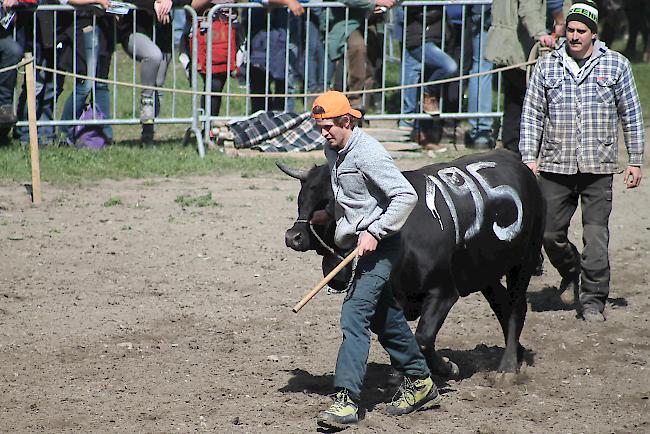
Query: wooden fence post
33, 132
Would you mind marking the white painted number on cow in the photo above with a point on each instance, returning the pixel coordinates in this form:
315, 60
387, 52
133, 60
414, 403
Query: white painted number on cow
509, 232
461, 184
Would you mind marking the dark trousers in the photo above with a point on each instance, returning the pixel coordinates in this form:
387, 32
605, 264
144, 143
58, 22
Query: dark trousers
218, 81
595, 193
10, 54
371, 306
257, 81
514, 90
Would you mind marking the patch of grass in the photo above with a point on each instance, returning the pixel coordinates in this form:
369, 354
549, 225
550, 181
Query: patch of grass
291, 198
187, 201
166, 159
112, 201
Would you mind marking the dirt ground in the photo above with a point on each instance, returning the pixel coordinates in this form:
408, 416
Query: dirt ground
149, 317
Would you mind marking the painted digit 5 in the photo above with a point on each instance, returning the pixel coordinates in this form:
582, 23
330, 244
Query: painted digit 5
509, 232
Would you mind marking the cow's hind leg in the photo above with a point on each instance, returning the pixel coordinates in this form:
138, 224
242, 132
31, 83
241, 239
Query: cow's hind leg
434, 312
517, 280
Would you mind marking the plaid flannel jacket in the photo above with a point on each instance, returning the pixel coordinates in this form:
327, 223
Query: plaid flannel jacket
571, 122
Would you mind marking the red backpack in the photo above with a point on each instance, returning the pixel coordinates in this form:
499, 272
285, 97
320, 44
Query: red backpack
224, 45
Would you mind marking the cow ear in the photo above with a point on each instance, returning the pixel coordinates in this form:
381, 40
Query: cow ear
300, 174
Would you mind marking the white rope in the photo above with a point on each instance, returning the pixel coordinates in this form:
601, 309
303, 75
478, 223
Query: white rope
17, 65
284, 95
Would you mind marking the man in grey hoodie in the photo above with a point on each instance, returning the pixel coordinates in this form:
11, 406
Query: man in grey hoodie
372, 200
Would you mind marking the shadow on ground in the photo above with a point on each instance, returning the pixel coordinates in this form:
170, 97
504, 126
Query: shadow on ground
481, 358
548, 299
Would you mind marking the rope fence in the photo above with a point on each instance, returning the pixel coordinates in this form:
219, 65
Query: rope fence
278, 95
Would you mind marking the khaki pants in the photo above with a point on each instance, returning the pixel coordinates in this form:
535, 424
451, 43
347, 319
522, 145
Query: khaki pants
363, 62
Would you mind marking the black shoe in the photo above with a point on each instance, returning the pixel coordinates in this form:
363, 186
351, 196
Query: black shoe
7, 116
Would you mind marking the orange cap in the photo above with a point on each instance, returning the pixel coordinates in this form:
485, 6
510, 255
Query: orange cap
335, 104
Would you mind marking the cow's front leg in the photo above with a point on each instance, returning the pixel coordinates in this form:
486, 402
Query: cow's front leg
435, 308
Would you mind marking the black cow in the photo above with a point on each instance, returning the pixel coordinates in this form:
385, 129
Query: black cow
478, 218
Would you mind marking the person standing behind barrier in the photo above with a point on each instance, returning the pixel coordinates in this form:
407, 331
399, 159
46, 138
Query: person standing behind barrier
314, 53
136, 32
363, 56
372, 202
48, 86
437, 65
576, 97
224, 40
10, 54
95, 46
459, 47
280, 73
479, 91
516, 26
555, 17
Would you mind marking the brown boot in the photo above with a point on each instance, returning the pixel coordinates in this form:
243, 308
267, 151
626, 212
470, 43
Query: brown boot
430, 105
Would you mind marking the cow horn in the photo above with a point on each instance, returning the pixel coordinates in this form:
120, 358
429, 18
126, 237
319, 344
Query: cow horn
300, 174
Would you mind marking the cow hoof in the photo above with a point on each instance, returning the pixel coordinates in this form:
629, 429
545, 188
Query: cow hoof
451, 369
504, 379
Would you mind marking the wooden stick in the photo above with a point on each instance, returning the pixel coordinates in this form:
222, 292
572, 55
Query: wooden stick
33, 133
325, 281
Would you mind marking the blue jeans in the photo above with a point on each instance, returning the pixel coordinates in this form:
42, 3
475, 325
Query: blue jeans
437, 65
371, 306
76, 102
479, 94
47, 89
178, 24
315, 80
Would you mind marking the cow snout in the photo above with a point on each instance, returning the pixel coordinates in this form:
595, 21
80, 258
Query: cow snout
295, 240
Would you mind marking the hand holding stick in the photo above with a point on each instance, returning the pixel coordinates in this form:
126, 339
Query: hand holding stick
325, 281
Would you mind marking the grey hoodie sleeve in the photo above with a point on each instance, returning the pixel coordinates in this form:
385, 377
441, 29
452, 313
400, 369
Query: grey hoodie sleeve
380, 169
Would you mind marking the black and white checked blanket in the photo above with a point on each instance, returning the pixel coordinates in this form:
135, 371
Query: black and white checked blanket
277, 132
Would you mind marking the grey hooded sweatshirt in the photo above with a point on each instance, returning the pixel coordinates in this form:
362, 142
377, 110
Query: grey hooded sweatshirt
370, 192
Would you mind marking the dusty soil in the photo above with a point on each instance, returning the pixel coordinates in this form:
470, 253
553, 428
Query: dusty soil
149, 317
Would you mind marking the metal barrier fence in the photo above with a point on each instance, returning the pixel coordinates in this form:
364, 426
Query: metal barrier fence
282, 61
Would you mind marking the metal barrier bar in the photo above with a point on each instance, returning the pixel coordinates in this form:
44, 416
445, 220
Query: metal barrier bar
297, 42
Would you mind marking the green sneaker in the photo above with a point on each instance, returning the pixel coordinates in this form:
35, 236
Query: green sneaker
413, 395
341, 414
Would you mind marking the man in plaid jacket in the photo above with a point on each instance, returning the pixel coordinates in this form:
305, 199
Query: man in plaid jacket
573, 104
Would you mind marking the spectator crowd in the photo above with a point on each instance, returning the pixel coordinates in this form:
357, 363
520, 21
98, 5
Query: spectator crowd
283, 50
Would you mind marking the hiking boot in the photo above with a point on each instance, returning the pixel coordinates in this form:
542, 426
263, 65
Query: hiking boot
568, 289
414, 395
592, 314
7, 116
341, 414
430, 105
147, 111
